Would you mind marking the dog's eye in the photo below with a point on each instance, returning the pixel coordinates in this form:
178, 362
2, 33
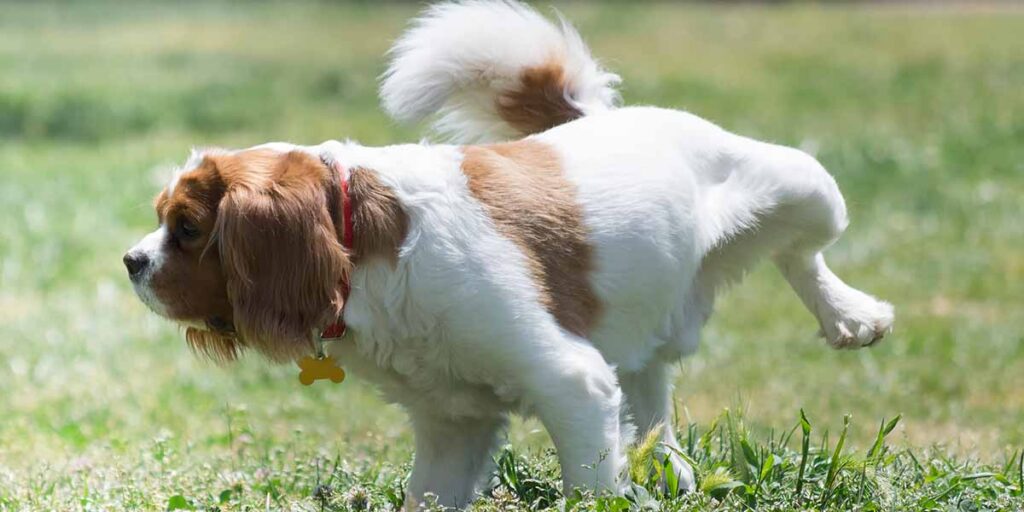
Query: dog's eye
187, 230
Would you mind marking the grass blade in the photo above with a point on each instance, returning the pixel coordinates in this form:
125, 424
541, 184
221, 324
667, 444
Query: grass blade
1020, 473
833, 466
671, 478
883, 430
805, 446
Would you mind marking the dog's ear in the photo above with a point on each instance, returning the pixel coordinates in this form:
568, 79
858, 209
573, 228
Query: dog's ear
282, 259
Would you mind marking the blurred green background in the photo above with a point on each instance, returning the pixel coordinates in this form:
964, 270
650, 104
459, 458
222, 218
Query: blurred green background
918, 111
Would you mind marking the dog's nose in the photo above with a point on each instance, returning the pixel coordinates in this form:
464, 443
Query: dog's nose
135, 262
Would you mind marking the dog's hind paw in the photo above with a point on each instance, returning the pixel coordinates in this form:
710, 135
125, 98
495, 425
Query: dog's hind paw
854, 320
682, 473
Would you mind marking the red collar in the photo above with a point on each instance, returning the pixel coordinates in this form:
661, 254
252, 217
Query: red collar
338, 328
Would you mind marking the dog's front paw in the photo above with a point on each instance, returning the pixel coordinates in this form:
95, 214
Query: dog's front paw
855, 320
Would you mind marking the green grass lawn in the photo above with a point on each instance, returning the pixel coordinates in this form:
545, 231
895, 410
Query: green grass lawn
919, 113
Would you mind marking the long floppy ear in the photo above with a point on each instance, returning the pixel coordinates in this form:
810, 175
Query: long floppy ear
281, 255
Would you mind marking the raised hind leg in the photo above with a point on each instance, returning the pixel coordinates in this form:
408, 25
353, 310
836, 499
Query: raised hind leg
782, 202
849, 318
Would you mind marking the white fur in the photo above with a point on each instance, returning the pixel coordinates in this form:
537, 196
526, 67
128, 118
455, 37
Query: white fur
458, 57
457, 332
676, 208
153, 246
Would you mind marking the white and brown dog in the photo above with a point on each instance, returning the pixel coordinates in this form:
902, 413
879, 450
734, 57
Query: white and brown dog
557, 271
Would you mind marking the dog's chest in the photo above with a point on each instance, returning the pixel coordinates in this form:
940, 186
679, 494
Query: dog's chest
418, 374
399, 340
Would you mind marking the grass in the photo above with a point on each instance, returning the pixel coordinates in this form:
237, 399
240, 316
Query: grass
916, 111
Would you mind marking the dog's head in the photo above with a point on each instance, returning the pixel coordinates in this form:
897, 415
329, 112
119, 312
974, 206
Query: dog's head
247, 252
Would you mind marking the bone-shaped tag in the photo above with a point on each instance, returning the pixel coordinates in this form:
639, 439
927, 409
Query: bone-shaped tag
314, 369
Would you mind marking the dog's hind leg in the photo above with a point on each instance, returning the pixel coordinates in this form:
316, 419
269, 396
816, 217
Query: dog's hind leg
849, 318
810, 205
781, 201
649, 403
576, 395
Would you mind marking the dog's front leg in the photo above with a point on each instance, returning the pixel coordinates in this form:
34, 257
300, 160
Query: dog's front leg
451, 458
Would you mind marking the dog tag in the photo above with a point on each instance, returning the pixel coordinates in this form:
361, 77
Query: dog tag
314, 369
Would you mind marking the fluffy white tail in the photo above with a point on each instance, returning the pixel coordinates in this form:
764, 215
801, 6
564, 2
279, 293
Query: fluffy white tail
493, 70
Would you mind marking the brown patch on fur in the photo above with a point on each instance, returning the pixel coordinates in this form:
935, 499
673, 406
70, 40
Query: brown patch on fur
160, 204
540, 101
523, 190
379, 223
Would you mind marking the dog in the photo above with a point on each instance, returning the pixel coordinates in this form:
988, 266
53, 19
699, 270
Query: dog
553, 261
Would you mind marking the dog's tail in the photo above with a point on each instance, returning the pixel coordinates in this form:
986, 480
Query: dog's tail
493, 70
